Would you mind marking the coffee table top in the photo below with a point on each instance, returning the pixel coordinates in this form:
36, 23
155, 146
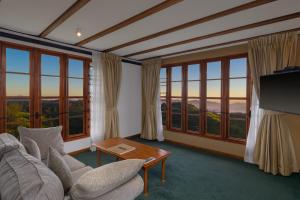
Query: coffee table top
141, 151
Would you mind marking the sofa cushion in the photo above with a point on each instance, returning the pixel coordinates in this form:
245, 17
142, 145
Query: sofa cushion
8, 142
31, 147
44, 137
93, 184
60, 167
24, 177
73, 163
79, 172
128, 191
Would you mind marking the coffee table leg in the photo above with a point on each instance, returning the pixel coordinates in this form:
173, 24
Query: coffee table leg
163, 170
145, 181
98, 157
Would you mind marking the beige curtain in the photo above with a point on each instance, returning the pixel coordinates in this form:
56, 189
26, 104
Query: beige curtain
150, 87
274, 150
112, 70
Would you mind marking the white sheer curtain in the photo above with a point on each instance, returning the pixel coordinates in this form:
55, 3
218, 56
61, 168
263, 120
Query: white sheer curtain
97, 99
256, 117
160, 129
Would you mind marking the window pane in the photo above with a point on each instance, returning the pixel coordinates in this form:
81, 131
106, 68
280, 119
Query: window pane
163, 74
238, 67
164, 118
176, 106
75, 125
176, 120
50, 123
17, 85
213, 123
163, 105
75, 87
237, 106
176, 73
213, 105
75, 68
194, 89
214, 70
193, 123
194, 72
75, 107
50, 86
176, 89
17, 60
163, 110
163, 89
50, 65
213, 88
50, 109
193, 106
237, 118
238, 87
17, 114
237, 126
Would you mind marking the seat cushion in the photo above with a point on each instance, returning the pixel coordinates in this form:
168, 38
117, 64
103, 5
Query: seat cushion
73, 163
24, 177
60, 167
44, 137
76, 174
128, 191
101, 180
31, 147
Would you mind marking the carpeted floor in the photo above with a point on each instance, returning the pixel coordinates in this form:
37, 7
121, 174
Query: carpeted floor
194, 175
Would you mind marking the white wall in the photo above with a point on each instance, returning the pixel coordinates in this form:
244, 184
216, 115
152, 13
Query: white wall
130, 100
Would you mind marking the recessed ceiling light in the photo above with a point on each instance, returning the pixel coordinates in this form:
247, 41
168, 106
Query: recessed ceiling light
78, 32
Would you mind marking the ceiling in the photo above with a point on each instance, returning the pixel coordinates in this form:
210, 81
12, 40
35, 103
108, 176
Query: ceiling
33, 17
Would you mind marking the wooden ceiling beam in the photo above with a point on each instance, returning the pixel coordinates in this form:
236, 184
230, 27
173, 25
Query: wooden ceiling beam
237, 29
223, 13
218, 45
130, 20
64, 16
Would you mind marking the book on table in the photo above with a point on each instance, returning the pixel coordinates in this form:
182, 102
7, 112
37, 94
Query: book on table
121, 149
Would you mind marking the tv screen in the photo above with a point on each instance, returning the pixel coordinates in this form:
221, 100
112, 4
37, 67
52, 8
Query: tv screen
281, 92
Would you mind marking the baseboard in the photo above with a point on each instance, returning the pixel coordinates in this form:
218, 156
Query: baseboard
75, 153
133, 136
205, 150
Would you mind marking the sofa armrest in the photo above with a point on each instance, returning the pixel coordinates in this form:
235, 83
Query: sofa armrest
101, 180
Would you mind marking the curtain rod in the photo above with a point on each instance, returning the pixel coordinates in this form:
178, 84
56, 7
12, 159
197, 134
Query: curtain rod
54, 44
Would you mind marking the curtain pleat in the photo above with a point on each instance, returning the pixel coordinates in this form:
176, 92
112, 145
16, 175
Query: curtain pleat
150, 88
274, 149
112, 71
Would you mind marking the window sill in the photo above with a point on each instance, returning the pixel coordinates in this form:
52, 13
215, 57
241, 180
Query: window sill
76, 137
210, 136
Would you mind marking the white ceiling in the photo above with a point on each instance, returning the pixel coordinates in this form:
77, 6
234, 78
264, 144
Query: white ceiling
33, 16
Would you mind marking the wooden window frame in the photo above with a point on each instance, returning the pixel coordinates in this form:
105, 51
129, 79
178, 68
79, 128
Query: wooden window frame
224, 125
35, 88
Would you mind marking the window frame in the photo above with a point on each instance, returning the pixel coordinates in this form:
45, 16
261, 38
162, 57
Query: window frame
224, 124
35, 107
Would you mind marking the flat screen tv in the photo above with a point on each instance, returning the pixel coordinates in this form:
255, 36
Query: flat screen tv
281, 92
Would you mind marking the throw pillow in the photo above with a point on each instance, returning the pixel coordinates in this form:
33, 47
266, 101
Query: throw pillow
44, 137
60, 167
101, 180
31, 147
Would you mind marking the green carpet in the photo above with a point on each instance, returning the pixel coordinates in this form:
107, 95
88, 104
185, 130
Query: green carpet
195, 175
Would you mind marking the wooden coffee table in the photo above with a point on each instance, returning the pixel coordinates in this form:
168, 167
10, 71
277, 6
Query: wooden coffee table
141, 151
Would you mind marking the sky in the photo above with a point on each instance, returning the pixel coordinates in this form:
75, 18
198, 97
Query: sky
18, 84
238, 68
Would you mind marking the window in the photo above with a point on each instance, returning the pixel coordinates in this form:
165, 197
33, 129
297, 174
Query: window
208, 98
238, 77
43, 89
176, 97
